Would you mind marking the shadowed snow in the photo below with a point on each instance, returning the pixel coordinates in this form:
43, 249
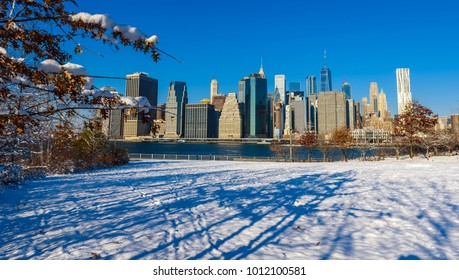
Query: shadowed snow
238, 210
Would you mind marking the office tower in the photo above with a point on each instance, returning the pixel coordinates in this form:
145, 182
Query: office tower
403, 89
137, 85
213, 89
280, 87
200, 121
346, 88
350, 114
299, 116
373, 98
294, 86
311, 112
365, 107
175, 109
253, 91
311, 85
325, 76
269, 115
230, 123
382, 105
331, 111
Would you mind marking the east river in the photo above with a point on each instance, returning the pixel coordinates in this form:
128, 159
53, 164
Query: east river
222, 149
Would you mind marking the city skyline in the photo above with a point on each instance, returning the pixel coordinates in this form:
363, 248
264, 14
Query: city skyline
377, 40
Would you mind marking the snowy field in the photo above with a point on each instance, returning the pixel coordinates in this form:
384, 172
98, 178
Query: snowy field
238, 210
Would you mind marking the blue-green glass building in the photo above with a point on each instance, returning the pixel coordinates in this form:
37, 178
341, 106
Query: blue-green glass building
253, 93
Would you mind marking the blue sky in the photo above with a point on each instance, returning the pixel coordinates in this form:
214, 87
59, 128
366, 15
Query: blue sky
365, 40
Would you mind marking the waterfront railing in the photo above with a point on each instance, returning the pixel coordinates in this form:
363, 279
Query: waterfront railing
142, 156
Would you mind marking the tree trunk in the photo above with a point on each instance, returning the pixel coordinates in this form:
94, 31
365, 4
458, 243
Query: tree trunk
309, 155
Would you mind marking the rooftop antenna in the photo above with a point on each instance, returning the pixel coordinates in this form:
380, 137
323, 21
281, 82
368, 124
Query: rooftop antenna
262, 62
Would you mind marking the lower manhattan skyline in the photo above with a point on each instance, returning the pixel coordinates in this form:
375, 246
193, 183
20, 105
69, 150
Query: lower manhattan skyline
365, 42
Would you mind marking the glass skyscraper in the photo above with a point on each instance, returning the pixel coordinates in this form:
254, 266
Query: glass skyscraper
325, 76
253, 93
346, 88
325, 80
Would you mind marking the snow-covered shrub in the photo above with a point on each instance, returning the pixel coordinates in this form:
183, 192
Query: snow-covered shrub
10, 174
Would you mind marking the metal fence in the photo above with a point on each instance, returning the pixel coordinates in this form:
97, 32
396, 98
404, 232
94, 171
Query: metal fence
138, 156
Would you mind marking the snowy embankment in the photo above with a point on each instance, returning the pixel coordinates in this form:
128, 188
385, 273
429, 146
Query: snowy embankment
238, 210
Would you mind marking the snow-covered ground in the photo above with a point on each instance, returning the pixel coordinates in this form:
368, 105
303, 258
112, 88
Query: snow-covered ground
238, 210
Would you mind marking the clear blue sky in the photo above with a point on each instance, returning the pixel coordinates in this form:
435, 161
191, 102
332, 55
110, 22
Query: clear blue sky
365, 40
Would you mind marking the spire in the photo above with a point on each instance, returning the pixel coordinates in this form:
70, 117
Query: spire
325, 58
262, 72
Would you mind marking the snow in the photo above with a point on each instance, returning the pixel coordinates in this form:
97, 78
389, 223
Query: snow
103, 19
238, 210
3, 51
153, 39
131, 33
135, 102
49, 66
75, 69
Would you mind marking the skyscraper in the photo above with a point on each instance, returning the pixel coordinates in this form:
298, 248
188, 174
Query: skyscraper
346, 88
200, 121
382, 105
280, 86
373, 98
403, 89
331, 112
175, 109
311, 85
213, 89
230, 124
137, 85
325, 76
253, 93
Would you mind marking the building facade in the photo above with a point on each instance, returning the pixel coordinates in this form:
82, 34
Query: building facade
140, 85
177, 99
253, 93
200, 121
230, 123
403, 89
331, 112
325, 80
311, 85
298, 116
373, 98
280, 87
346, 88
213, 89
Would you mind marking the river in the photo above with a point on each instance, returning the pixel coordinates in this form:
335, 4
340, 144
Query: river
223, 149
